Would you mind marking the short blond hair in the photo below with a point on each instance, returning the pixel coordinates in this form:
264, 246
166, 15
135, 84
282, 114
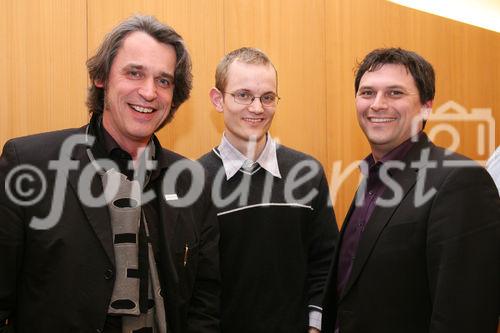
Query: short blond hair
247, 55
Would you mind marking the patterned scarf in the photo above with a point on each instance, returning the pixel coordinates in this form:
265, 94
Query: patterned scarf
136, 293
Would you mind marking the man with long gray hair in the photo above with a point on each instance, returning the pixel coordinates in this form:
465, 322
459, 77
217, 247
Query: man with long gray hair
112, 248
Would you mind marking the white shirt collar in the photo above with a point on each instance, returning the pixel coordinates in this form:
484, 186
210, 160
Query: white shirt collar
233, 160
493, 167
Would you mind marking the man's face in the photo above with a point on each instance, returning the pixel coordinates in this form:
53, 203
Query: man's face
139, 91
244, 123
387, 104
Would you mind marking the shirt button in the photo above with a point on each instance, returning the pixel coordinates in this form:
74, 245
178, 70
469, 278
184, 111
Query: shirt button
108, 274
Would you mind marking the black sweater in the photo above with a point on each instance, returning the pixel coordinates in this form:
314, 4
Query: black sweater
276, 245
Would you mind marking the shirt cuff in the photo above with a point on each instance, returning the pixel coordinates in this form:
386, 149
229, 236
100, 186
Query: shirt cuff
315, 317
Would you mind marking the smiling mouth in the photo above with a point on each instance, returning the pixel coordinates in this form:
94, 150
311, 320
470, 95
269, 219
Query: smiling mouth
253, 120
379, 120
141, 109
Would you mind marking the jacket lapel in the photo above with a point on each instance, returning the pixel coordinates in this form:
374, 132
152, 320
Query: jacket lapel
332, 280
98, 217
406, 179
341, 235
168, 217
168, 220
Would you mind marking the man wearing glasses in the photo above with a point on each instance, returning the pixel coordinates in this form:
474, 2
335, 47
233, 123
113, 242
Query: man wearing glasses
277, 226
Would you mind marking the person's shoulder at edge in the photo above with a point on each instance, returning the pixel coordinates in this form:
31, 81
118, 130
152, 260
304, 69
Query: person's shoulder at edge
289, 156
42, 144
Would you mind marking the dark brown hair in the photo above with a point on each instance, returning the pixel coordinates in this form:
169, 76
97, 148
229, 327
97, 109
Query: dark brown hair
419, 68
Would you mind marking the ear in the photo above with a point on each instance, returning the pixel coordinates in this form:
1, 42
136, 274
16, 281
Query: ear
217, 99
98, 84
426, 109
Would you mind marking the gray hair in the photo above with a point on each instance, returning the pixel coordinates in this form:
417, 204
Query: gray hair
99, 65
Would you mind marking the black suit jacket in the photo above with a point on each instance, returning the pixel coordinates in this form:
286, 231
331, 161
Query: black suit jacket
61, 279
427, 264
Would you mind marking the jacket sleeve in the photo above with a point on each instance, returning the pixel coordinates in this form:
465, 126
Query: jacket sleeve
204, 306
11, 236
463, 253
323, 233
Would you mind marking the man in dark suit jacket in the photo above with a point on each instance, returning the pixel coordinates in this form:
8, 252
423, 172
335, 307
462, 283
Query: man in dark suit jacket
419, 248
68, 262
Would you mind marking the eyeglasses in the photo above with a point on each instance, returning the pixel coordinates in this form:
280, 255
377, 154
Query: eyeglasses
245, 98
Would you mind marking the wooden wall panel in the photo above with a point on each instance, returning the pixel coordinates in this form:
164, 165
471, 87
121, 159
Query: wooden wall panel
466, 60
292, 33
193, 130
314, 44
42, 57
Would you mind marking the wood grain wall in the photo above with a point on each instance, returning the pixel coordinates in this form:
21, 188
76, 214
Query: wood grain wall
314, 44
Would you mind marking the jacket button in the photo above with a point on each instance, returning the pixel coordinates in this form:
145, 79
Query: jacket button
99, 330
108, 274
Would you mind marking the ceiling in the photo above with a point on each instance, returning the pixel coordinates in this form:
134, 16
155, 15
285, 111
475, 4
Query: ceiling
480, 13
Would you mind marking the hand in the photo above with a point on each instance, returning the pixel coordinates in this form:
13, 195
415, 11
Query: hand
313, 330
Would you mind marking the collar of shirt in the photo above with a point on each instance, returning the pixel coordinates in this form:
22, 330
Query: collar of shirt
107, 147
494, 160
493, 167
233, 160
397, 154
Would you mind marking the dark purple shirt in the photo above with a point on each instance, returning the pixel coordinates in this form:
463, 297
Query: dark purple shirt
363, 210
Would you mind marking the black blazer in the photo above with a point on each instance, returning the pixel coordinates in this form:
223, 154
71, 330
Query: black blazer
61, 279
428, 267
